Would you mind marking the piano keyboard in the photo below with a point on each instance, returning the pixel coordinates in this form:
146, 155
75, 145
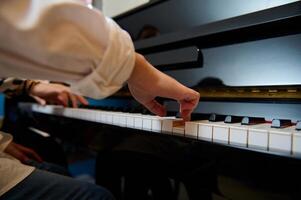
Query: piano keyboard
258, 137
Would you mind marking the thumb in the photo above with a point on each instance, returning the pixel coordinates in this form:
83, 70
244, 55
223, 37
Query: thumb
39, 100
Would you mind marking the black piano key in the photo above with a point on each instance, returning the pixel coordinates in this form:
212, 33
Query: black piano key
281, 123
145, 111
125, 109
232, 119
135, 110
252, 120
298, 126
199, 116
216, 118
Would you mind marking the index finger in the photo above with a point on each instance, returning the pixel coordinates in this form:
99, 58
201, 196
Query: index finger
82, 100
187, 106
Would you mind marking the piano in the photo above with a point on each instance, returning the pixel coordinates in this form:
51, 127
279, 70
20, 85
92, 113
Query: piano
247, 70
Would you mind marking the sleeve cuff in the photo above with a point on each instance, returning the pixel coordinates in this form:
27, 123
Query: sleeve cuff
115, 68
5, 140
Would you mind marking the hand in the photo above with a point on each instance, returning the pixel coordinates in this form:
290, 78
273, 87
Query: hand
56, 94
146, 83
22, 153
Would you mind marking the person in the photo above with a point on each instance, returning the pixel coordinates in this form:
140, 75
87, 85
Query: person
43, 93
26, 145
64, 40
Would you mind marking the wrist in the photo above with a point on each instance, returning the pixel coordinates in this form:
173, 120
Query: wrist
29, 86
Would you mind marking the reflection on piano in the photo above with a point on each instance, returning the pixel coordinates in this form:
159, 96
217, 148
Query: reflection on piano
248, 118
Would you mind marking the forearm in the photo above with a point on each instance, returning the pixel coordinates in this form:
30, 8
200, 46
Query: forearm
13, 87
144, 73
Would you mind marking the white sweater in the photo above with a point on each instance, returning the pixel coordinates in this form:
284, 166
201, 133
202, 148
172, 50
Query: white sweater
60, 40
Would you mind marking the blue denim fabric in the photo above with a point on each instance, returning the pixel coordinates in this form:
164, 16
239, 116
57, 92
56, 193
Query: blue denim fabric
50, 167
43, 185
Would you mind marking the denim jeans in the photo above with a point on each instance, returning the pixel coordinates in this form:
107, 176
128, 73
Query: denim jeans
50, 186
50, 167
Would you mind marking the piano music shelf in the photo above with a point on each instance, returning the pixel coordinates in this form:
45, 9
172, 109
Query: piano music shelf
252, 93
275, 93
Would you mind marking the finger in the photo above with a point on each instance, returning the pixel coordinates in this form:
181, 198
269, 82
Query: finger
62, 99
14, 151
73, 100
186, 115
29, 152
82, 100
156, 108
186, 108
20, 156
39, 100
35, 156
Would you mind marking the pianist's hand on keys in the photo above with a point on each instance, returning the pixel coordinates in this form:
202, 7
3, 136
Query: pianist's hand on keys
146, 83
56, 94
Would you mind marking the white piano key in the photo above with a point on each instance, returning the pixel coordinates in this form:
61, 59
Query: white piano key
238, 135
191, 129
221, 132
168, 124
85, 115
58, 110
296, 143
103, 117
90, 115
130, 120
82, 115
147, 122
258, 137
138, 121
45, 109
77, 114
109, 118
116, 118
280, 140
157, 124
205, 130
122, 119
98, 116
178, 130
67, 112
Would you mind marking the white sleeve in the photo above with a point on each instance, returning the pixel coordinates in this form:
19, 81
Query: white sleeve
5, 140
63, 40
